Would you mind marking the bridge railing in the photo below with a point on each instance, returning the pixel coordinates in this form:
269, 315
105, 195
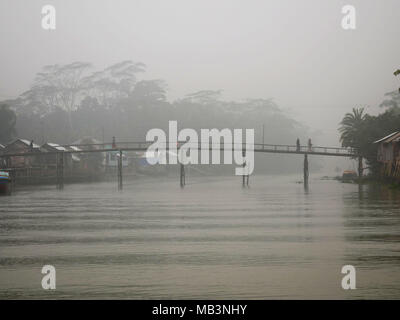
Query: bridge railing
143, 145
257, 146
312, 149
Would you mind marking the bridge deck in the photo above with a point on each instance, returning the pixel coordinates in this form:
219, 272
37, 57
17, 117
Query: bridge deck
258, 147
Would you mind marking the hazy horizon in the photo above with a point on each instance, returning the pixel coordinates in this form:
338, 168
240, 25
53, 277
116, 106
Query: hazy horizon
296, 53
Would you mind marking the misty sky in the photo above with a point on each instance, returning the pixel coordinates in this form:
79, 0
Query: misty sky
293, 51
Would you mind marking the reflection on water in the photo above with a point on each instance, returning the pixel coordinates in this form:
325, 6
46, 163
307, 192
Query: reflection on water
212, 239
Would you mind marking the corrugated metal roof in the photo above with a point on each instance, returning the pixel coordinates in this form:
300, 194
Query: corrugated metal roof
27, 142
393, 138
56, 146
389, 137
74, 148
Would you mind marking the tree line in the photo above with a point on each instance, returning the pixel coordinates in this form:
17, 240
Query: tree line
68, 102
359, 129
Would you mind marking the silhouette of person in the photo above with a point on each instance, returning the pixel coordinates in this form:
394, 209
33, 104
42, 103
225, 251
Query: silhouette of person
309, 145
298, 144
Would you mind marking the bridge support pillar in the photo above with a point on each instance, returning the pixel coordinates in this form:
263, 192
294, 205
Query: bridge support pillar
120, 184
182, 175
306, 173
360, 167
60, 170
245, 177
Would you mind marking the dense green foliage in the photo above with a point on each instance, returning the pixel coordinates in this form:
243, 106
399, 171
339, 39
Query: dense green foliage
359, 130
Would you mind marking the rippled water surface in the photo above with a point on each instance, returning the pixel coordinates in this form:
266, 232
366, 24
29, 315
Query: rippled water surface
212, 239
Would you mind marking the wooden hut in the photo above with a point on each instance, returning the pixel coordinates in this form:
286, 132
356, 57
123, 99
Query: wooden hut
21, 146
388, 154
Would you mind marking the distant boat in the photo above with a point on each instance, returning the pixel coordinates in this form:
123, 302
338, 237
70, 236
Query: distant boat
5, 183
349, 175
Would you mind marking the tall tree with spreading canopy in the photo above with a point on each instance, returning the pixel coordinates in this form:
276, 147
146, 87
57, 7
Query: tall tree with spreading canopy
57, 86
114, 82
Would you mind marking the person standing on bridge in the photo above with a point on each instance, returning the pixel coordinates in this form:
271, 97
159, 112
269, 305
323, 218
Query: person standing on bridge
298, 144
309, 145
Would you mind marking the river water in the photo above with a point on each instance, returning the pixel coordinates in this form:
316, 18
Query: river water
213, 239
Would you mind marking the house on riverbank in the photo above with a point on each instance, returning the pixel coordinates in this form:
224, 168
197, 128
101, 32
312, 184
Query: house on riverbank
70, 160
21, 146
91, 161
388, 155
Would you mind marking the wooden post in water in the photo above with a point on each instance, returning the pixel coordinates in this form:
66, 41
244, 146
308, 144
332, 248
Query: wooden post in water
60, 170
182, 175
57, 169
360, 167
244, 167
263, 136
12, 173
305, 170
120, 185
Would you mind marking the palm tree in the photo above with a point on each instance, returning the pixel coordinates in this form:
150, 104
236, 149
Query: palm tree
351, 128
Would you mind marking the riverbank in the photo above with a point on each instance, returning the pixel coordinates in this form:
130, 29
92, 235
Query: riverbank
368, 180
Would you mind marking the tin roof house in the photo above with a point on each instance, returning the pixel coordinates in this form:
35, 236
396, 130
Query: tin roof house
75, 156
21, 146
88, 143
389, 147
50, 160
52, 147
91, 161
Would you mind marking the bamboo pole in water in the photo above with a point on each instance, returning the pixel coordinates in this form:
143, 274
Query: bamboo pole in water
306, 173
120, 184
182, 175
